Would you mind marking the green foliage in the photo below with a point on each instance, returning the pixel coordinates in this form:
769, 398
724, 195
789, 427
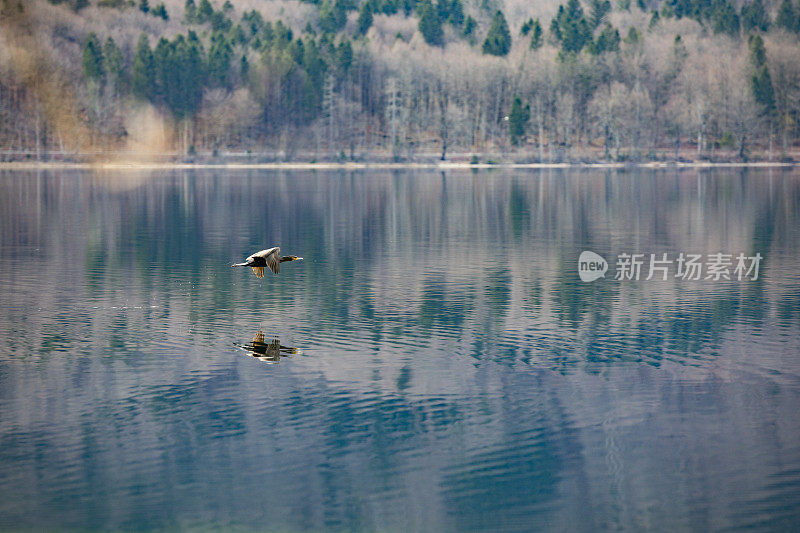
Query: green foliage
599, 10
571, 27
761, 81
518, 119
754, 17
93, 67
498, 38
204, 12
720, 15
190, 12
220, 22
429, 24
179, 75
607, 41
654, 19
332, 16
219, 60
633, 37
470, 25
787, 17
536, 35
144, 6
344, 56
526, 27
388, 7
115, 63
727, 140
297, 51
724, 18
279, 35
758, 54
160, 11
143, 77
456, 17
442, 9
244, 67
252, 23
451, 11
364, 20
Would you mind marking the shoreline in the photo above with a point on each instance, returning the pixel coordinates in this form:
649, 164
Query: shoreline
138, 165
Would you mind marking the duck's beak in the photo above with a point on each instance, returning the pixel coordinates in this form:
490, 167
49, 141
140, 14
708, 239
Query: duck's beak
298, 258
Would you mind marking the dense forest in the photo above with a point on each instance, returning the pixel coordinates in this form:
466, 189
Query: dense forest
402, 80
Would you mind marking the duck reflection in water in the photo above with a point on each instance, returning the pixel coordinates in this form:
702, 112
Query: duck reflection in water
269, 352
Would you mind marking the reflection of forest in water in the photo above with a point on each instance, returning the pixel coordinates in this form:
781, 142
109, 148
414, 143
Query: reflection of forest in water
429, 313
485, 258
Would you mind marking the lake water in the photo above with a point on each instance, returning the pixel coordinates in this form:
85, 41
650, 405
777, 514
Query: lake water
434, 363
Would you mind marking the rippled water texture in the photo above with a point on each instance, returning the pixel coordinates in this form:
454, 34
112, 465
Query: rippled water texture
434, 364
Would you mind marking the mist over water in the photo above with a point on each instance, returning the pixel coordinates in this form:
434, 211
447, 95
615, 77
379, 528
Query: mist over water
434, 363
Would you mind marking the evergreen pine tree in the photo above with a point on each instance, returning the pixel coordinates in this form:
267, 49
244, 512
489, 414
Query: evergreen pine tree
443, 9
144, 6
456, 17
607, 41
536, 35
429, 24
724, 18
143, 76
244, 67
518, 119
204, 12
115, 64
526, 27
571, 27
253, 23
164, 72
219, 59
469, 29
364, 20
220, 22
344, 56
192, 76
787, 17
761, 81
160, 11
633, 36
498, 38
754, 17
179, 75
599, 10
297, 50
332, 16
93, 67
190, 12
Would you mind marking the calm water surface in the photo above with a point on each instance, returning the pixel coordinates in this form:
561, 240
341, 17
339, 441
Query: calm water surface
434, 364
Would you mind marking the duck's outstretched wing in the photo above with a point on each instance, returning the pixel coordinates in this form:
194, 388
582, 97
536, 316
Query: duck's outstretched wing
273, 259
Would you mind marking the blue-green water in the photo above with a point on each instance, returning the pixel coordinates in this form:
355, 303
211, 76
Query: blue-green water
434, 364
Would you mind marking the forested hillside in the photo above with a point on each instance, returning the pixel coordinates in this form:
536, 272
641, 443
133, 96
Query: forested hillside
521, 80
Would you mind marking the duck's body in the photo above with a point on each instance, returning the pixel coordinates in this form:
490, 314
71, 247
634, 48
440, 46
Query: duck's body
270, 258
